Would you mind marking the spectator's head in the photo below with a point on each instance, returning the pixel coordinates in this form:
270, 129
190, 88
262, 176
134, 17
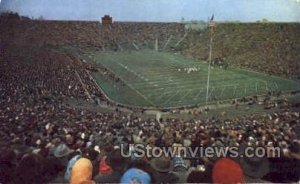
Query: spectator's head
91, 154
179, 163
82, 172
70, 165
135, 175
30, 169
162, 164
199, 177
69, 139
104, 168
227, 171
255, 166
62, 150
117, 161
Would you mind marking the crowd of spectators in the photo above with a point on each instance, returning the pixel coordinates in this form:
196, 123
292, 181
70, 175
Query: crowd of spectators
117, 36
270, 48
43, 139
52, 76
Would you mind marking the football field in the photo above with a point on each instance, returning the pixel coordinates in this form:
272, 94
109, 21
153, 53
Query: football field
159, 79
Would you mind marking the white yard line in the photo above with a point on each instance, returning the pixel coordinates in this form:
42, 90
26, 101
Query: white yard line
133, 72
160, 96
188, 92
145, 98
223, 89
171, 97
212, 89
234, 91
130, 86
266, 84
197, 96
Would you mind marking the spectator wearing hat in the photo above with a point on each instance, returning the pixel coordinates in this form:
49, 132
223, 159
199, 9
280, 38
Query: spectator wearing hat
61, 155
163, 167
82, 172
70, 165
134, 175
62, 152
254, 167
116, 164
227, 171
180, 168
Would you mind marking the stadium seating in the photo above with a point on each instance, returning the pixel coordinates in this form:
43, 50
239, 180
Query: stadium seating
45, 138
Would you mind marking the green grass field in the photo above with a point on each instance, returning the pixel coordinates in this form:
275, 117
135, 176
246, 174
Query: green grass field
158, 79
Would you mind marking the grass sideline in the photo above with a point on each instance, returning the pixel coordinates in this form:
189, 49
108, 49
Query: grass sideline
160, 79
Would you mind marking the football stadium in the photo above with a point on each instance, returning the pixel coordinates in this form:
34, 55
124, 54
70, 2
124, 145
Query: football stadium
149, 91
172, 80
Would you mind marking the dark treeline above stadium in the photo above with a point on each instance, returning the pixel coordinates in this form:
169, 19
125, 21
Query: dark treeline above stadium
267, 47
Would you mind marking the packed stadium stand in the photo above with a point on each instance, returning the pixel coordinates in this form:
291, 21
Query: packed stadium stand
47, 139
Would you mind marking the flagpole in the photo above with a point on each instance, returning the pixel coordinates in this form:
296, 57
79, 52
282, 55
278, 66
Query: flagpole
209, 58
209, 62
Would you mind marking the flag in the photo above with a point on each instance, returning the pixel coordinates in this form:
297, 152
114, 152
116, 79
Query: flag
212, 25
212, 18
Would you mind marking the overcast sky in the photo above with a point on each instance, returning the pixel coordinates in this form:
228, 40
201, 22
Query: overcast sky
158, 10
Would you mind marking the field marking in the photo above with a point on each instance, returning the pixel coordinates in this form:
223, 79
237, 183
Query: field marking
265, 82
161, 77
160, 96
223, 89
183, 83
267, 89
158, 91
172, 96
138, 92
188, 92
131, 71
197, 96
190, 80
256, 87
130, 86
145, 98
178, 87
210, 93
235, 86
